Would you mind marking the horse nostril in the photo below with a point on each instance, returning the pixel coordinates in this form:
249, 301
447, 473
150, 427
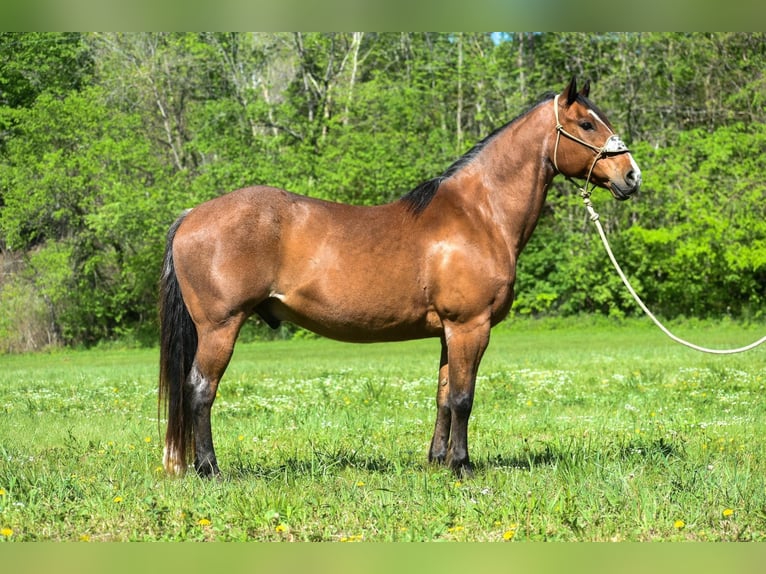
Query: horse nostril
633, 178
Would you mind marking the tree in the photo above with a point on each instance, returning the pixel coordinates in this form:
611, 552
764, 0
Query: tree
105, 138
82, 199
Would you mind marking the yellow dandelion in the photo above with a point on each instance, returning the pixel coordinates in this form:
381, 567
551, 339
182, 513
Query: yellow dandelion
147, 439
509, 534
7, 532
84, 537
281, 528
727, 512
204, 522
679, 524
458, 528
117, 499
2, 492
241, 437
159, 468
360, 483
458, 484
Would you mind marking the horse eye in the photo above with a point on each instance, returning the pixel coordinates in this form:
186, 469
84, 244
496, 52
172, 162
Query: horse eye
587, 126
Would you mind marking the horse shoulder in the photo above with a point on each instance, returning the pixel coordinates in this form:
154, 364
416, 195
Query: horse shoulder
468, 276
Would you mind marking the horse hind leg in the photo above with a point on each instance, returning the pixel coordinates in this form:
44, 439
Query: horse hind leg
214, 351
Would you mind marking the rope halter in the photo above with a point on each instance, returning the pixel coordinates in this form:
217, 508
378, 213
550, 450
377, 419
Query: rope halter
612, 146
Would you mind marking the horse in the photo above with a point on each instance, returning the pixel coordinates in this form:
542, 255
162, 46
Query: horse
438, 262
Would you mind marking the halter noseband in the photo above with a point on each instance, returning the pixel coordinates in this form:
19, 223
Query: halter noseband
612, 146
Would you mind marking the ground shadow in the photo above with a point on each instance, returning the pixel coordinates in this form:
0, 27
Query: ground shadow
525, 460
318, 462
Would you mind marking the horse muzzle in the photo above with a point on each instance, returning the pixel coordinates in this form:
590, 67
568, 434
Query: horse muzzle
630, 184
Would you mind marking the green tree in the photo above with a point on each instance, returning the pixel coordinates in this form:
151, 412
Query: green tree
104, 138
41, 62
83, 199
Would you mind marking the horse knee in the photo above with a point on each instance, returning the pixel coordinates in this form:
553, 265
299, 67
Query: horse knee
461, 403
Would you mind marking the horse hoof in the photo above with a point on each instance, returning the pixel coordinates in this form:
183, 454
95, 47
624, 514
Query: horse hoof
207, 469
437, 459
463, 470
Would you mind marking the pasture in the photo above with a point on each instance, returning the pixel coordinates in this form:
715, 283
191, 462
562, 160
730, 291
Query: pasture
581, 431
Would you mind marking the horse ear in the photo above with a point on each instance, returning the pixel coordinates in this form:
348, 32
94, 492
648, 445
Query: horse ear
585, 89
570, 92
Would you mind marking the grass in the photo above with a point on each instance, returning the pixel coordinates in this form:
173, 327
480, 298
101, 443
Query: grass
588, 431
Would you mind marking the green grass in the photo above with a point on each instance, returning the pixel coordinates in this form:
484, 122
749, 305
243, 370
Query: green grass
585, 430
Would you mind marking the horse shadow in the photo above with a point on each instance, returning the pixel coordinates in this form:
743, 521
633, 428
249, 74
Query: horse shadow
562, 455
312, 464
320, 462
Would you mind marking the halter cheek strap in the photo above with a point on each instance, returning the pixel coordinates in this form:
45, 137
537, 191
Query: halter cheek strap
612, 146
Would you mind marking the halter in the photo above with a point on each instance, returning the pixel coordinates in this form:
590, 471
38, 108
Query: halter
612, 146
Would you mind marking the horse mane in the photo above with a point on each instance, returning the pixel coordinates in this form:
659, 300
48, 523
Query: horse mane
420, 197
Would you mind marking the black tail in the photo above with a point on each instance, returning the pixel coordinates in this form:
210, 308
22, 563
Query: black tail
178, 345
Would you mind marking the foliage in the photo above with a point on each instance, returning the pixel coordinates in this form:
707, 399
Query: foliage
86, 212
105, 138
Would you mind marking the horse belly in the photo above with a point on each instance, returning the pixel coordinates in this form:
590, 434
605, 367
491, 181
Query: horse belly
367, 316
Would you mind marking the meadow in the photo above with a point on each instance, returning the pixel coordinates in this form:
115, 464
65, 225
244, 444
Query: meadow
584, 430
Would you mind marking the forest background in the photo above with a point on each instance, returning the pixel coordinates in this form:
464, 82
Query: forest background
106, 137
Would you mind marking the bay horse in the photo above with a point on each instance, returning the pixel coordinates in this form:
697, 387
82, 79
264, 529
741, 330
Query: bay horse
438, 262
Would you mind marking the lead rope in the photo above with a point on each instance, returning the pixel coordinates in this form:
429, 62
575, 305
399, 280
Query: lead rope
594, 217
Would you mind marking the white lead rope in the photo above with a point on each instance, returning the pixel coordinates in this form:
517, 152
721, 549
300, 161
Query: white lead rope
595, 219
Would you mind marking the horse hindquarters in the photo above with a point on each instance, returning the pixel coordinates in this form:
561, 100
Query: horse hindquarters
193, 357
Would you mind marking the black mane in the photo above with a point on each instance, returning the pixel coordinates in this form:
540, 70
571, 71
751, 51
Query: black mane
420, 197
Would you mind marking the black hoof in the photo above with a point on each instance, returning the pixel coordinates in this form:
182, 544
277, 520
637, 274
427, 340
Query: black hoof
207, 468
437, 458
462, 469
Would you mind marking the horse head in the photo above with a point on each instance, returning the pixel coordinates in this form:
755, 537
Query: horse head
587, 147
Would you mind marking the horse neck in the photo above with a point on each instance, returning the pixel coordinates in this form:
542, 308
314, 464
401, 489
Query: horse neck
514, 173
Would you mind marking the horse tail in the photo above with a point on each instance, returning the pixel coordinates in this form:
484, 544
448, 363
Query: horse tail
178, 345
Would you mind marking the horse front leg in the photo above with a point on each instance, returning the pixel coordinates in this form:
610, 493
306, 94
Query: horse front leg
440, 441
466, 344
